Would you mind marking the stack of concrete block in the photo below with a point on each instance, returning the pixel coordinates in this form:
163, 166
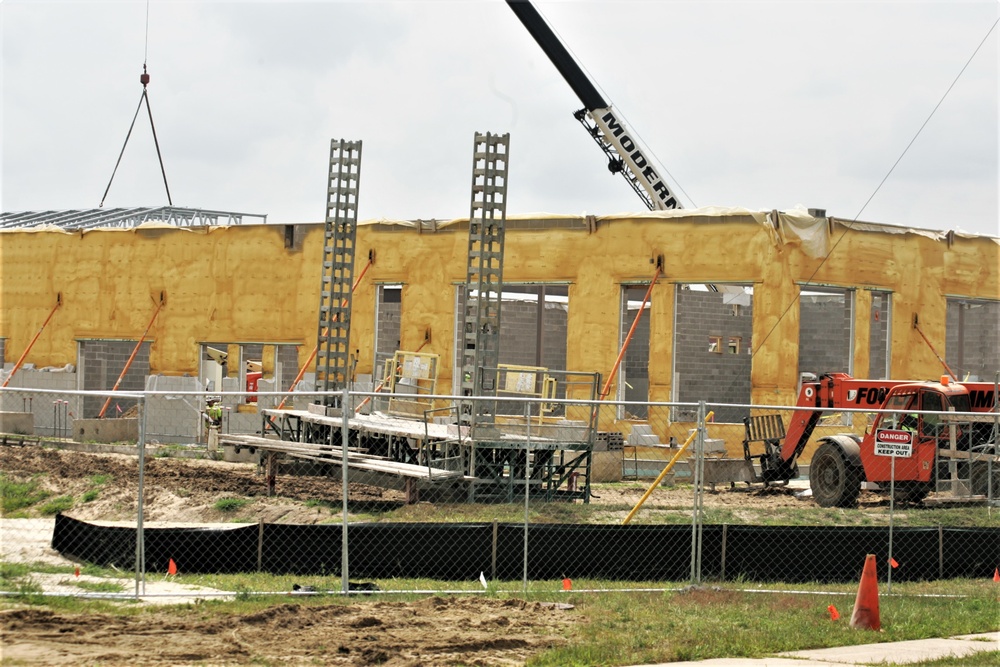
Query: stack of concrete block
642, 436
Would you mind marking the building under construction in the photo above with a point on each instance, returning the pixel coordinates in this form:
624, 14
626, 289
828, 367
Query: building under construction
729, 306
869, 299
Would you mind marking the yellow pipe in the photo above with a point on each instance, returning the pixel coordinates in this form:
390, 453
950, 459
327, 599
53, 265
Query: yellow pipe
663, 474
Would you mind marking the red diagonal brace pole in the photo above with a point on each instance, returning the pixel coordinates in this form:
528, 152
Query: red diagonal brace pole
305, 366
24, 355
943, 363
128, 363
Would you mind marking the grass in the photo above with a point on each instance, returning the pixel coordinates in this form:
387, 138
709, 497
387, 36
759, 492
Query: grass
623, 628
230, 504
56, 505
981, 659
599, 512
20, 495
700, 624
98, 586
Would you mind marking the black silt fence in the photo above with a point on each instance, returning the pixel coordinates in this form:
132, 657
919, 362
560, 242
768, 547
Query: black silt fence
625, 553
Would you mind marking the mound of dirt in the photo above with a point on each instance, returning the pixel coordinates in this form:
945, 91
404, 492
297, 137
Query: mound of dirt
105, 487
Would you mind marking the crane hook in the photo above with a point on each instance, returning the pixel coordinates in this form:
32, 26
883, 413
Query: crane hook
144, 77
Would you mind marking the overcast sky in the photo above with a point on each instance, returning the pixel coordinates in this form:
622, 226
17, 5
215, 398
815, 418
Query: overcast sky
752, 104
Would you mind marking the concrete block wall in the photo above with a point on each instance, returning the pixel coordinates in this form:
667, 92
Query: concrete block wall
825, 344
101, 362
519, 334
288, 363
972, 338
701, 374
387, 328
50, 418
636, 361
173, 419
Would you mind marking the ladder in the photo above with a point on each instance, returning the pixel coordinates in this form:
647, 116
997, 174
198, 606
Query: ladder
484, 279
333, 351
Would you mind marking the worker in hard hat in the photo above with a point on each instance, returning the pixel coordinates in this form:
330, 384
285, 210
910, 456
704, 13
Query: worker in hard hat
213, 418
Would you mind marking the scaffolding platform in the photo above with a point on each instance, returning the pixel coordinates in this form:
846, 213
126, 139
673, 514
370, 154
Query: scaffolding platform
433, 458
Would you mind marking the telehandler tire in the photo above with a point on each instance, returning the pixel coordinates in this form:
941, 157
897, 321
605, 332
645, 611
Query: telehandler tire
834, 479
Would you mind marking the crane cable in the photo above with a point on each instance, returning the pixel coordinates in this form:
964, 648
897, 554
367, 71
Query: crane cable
144, 80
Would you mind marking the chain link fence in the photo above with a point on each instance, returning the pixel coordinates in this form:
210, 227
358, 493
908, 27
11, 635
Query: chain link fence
232, 492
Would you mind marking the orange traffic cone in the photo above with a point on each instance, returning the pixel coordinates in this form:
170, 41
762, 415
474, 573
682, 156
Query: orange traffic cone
834, 614
996, 574
866, 605
567, 584
172, 567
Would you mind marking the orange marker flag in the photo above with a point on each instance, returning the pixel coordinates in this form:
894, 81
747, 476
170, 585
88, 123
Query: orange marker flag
893, 563
172, 567
996, 574
834, 615
567, 584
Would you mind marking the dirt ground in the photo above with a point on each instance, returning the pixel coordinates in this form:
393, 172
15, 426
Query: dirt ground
177, 489
432, 631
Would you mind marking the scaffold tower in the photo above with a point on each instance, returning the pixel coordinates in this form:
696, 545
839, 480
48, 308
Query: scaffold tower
333, 351
484, 278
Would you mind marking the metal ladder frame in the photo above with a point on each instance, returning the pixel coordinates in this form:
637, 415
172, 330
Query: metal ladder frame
481, 326
339, 238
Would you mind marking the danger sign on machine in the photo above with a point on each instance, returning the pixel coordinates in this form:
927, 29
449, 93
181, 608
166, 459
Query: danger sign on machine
893, 442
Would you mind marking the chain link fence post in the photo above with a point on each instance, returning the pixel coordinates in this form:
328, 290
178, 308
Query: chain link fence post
892, 512
140, 538
345, 406
698, 476
527, 479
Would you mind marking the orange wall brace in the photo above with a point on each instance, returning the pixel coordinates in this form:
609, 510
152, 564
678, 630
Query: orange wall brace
946, 366
302, 371
24, 355
131, 358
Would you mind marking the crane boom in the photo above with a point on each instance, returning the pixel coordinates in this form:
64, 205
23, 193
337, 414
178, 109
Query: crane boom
597, 116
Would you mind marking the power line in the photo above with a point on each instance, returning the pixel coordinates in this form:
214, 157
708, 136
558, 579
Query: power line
879, 187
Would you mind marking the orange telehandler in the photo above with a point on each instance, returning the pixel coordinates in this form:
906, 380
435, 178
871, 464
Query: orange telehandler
935, 431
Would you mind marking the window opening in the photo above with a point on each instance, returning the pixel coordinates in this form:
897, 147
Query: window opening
388, 323
733, 346
880, 336
249, 368
532, 328
633, 373
718, 373
101, 362
826, 330
972, 338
